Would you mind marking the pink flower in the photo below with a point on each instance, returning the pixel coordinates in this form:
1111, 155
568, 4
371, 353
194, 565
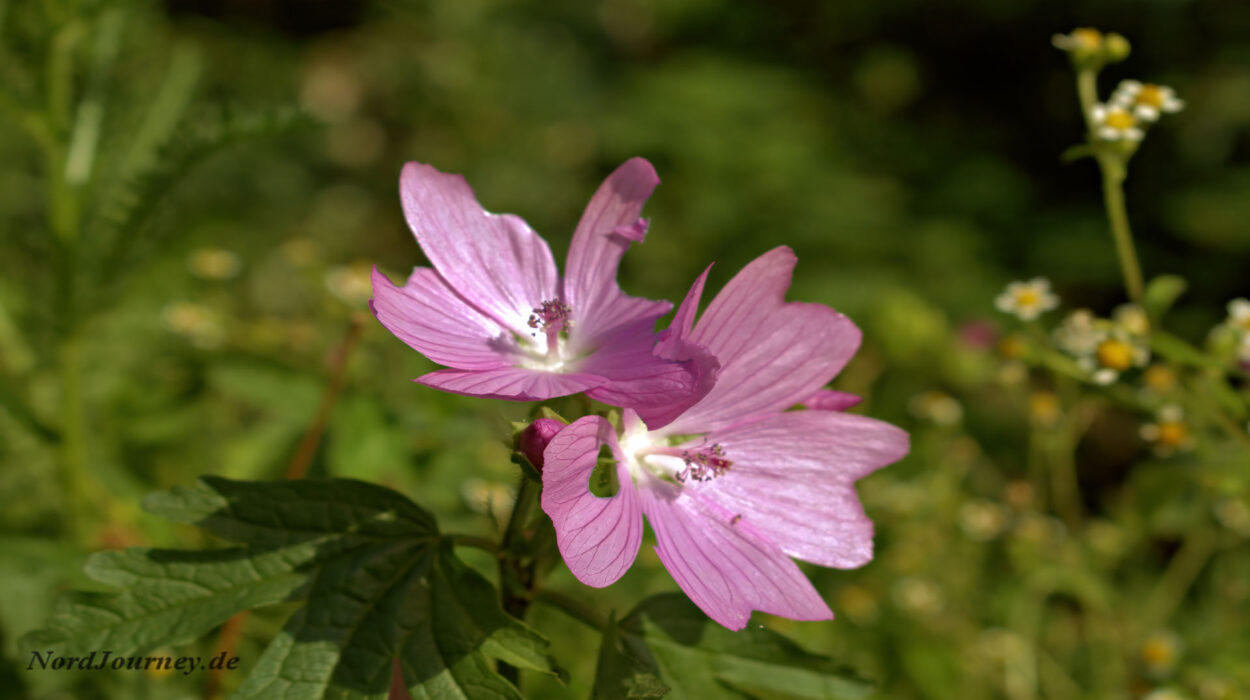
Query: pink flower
494, 309
736, 485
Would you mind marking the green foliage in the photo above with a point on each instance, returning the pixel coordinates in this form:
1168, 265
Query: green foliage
128, 208
666, 647
375, 579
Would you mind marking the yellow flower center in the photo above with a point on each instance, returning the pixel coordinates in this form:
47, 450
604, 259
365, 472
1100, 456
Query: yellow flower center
1150, 95
1028, 297
1119, 120
1160, 378
1087, 38
1115, 354
1173, 433
1012, 347
1044, 408
1158, 652
1244, 323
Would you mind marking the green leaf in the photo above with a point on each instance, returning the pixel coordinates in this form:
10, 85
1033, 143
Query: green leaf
667, 645
1181, 352
1072, 154
1161, 293
124, 214
377, 580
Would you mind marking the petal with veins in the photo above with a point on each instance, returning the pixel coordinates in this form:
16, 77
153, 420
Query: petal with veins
658, 385
495, 261
605, 231
726, 566
830, 400
793, 478
772, 354
598, 537
512, 383
432, 319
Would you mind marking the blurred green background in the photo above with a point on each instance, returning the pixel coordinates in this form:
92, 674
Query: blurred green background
238, 181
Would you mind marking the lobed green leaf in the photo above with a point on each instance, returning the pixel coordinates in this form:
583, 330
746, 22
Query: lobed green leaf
668, 647
377, 581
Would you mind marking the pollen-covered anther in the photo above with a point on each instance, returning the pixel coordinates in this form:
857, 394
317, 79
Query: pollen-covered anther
551, 315
704, 464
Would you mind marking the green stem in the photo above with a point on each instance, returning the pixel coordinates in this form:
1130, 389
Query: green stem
1113, 173
572, 607
516, 573
1181, 573
1087, 92
73, 447
1113, 170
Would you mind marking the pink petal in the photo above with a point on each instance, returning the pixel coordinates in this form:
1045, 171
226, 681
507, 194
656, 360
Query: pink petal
496, 262
772, 354
830, 400
598, 537
793, 479
605, 231
727, 567
511, 383
677, 335
427, 315
658, 387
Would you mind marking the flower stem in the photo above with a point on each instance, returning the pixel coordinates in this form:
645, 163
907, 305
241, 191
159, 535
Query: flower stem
307, 449
73, 446
1113, 173
1112, 166
517, 573
1181, 573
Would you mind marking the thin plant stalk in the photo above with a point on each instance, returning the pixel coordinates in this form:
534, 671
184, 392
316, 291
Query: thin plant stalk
1112, 167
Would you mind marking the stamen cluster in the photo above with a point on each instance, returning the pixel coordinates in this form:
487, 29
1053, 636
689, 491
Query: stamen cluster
704, 464
551, 315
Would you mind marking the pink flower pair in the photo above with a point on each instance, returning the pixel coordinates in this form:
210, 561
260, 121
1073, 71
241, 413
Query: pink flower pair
733, 483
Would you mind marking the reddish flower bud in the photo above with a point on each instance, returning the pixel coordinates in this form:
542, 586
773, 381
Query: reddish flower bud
533, 440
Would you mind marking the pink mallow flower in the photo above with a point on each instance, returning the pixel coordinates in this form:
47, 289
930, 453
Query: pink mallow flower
737, 484
494, 309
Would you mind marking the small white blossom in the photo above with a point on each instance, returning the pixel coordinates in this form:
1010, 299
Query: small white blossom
1239, 315
1078, 335
1115, 351
1027, 300
1131, 318
1169, 433
1146, 101
1115, 123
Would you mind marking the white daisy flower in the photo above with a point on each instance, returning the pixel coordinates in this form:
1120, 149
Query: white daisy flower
1115, 351
1115, 123
1239, 316
1078, 335
1027, 300
1169, 433
1145, 100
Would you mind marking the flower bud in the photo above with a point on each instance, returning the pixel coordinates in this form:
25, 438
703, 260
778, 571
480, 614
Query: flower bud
1115, 48
531, 441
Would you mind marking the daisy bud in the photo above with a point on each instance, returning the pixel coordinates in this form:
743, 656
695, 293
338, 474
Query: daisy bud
1115, 48
531, 441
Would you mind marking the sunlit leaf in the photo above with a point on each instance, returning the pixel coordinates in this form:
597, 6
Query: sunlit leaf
668, 643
